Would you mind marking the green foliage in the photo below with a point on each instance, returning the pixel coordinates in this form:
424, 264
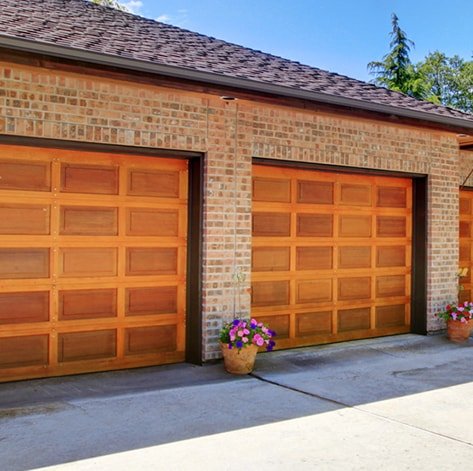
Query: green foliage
442, 80
111, 3
396, 71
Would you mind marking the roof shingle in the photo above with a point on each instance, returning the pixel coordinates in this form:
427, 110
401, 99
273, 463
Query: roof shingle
81, 25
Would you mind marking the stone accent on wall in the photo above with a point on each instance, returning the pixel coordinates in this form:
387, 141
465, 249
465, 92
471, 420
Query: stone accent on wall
45, 103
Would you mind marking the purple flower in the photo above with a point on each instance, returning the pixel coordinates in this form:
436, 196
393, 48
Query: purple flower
230, 346
236, 321
239, 344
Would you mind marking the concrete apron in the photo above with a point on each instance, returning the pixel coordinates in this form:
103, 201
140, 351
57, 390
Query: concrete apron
394, 403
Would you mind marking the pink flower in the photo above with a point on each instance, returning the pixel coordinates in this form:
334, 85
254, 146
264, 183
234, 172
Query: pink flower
258, 340
245, 339
463, 320
454, 316
246, 331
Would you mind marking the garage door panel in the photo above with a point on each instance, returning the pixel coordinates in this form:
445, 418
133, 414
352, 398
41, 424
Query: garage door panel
279, 323
272, 189
90, 179
24, 219
84, 346
87, 304
271, 259
313, 291
314, 258
391, 197
355, 194
143, 301
271, 224
354, 226
354, 319
28, 350
354, 257
344, 272
391, 226
77, 262
24, 307
153, 183
313, 323
314, 225
152, 222
315, 192
151, 261
25, 175
390, 316
151, 340
88, 220
18, 263
465, 229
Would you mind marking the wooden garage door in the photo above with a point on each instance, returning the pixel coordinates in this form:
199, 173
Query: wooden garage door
331, 256
92, 261
466, 242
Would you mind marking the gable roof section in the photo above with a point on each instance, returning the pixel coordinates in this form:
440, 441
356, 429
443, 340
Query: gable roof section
81, 30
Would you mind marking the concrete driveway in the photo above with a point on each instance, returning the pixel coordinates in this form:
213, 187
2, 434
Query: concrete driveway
395, 403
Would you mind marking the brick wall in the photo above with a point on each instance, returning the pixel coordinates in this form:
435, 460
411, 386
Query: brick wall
61, 105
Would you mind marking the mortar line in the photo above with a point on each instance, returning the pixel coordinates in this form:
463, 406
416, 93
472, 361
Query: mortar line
348, 406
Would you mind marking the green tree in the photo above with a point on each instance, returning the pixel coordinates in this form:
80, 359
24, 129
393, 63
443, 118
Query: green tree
396, 71
448, 80
111, 3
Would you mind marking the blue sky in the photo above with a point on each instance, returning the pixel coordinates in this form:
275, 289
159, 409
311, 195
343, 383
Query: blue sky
337, 35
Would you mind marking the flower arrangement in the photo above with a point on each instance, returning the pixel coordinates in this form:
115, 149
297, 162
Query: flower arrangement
462, 312
241, 333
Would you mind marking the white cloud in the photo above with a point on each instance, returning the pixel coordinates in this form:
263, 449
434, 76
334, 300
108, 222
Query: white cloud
134, 6
179, 19
163, 18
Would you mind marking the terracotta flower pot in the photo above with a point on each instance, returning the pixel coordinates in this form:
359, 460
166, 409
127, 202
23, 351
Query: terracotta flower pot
458, 331
239, 361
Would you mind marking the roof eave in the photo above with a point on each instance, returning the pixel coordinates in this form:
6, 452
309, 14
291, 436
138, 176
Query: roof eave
224, 80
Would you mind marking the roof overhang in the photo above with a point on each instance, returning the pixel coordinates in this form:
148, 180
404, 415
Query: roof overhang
64, 52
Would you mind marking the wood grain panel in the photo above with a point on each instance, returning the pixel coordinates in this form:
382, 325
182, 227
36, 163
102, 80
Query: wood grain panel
24, 219
314, 225
393, 285
84, 346
19, 263
313, 323
465, 205
24, 307
390, 256
277, 323
391, 197
92, 220
152, 222
28, 350
150, 301
90, 179
355, 226
354, 288
314, 258
465, 251
24, 175
271, 258
465, 229
271, 189
156, 339
353, 319
391, 226
87, 304
271, 224
390, 316
313, 291
78, 230
155, 183
87, 262
314, 192
151, 261
270, 293
355, 195
354, 257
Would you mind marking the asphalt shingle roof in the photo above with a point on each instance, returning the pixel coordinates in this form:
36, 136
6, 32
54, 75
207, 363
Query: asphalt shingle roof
82, 25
